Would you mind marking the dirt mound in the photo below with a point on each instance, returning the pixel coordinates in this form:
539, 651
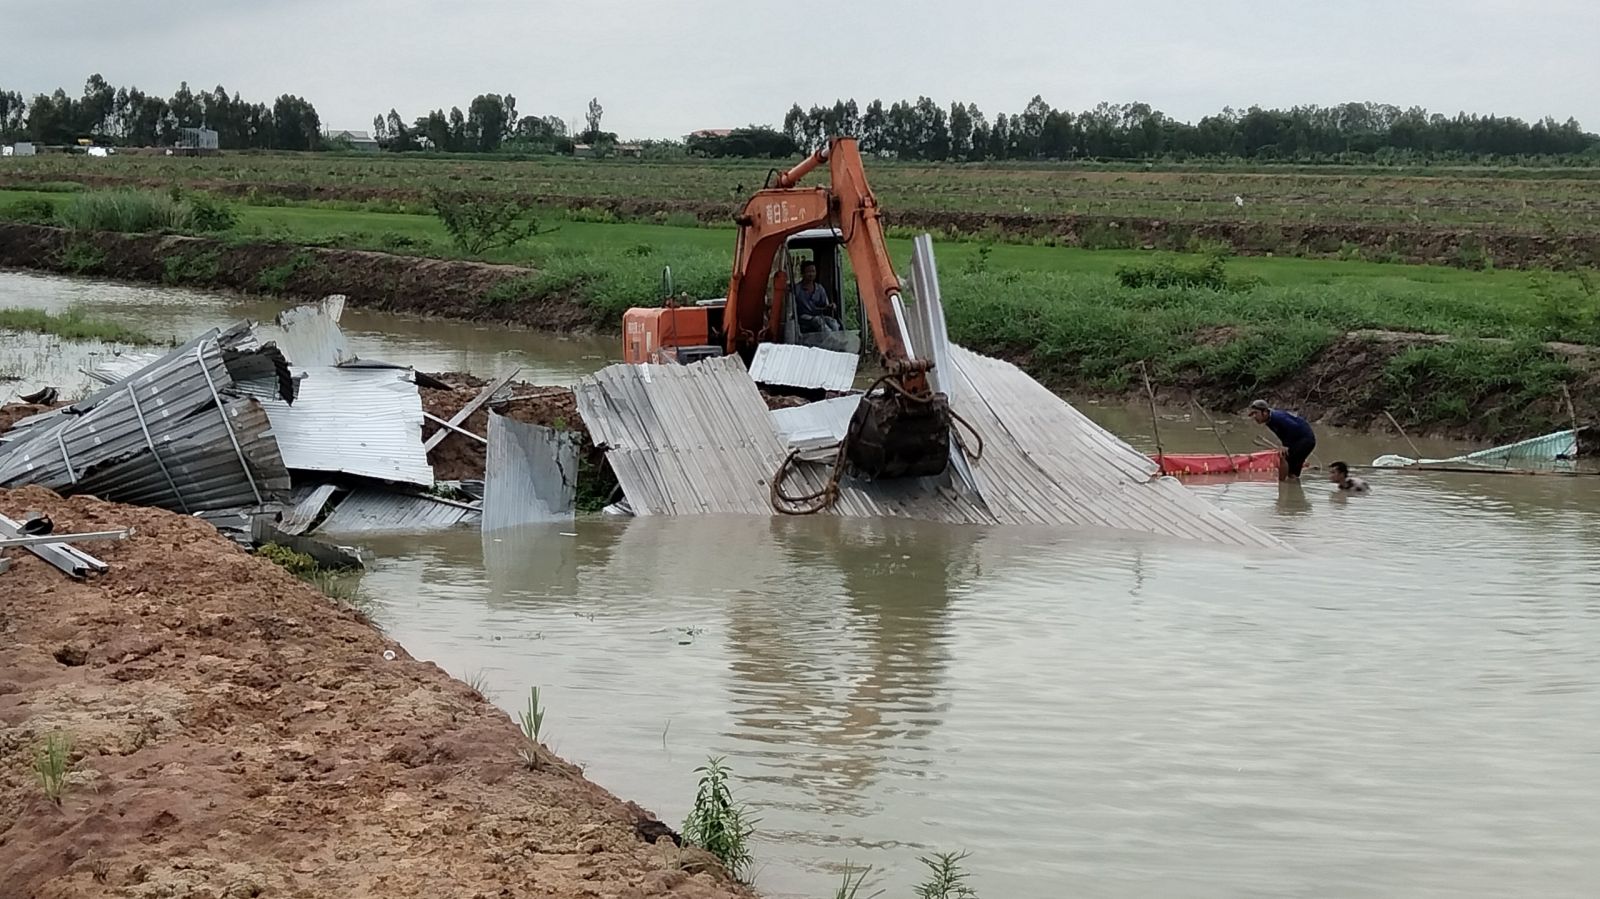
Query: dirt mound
234, 734
392, 283
12, 413
459, 457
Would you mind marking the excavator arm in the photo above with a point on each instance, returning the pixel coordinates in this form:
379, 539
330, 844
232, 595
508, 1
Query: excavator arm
901, 428
784, 209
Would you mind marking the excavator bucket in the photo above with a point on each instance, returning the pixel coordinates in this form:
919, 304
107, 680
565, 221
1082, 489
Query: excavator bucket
896, 436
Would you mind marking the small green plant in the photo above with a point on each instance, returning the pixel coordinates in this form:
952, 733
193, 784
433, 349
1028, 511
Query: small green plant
81, 257
126, 210
978, 263
275, 279
296, 563
532, 721
715, 823
31, 211
478, 682
854, 879
208, 213
52, 763
480, 223
195, 268
946, 879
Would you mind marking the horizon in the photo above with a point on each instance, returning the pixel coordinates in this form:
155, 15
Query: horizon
359, 59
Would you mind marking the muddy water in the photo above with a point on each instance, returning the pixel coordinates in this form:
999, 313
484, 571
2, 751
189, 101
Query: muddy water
171, 314
1405, 707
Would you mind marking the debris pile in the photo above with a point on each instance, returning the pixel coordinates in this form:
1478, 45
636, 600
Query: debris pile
269, 441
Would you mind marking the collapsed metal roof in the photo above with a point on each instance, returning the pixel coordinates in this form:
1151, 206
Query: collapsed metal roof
368, 511
355, 421
531, 474
793, 365
173, 434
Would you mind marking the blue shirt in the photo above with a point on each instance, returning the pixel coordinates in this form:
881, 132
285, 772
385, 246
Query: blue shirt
1290, 428
813, 302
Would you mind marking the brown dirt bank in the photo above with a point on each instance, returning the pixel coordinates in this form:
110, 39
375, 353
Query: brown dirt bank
1346, 385
1505, 246
234, 734
406, 284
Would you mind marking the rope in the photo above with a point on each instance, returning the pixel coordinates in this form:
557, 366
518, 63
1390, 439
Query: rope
824, 498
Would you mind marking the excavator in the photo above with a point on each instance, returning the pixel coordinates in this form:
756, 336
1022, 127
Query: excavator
902, 428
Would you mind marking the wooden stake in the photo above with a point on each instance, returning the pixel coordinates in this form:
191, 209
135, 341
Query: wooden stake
1402, 433
1571, 412
1150, 392
1232, 466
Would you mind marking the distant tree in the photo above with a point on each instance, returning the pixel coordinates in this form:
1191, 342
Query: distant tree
478, 224
13, 114
185, 108
592, 119
960, 131
296, 125
874, 123
436, 129
95, 109
755, 141
457, 140
486, 122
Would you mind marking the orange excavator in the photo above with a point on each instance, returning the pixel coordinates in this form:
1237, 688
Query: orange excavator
901, 428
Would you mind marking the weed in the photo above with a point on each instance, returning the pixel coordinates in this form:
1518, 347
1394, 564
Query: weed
52, 763
275, 279
1100, 236
197, 268
1208, 272
31, 211
296, 563
854, 879
478, 682
208, 213
978, 263
126, 210
715, 823
532, 721
72, 324
946, 879
81, 257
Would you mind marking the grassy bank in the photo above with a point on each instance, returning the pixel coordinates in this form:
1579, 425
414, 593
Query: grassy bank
1076, 319
71, 325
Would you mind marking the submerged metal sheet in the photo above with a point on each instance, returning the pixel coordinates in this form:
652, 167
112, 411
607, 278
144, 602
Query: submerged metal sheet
367, 511
1045, 462
1547, 448
365, 422
822, 423
311, 335
531, 474
308, 504
792, 365
697, 439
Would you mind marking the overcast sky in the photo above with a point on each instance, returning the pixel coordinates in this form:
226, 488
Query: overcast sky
662, 68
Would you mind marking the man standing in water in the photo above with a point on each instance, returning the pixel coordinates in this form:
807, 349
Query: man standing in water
1295, 433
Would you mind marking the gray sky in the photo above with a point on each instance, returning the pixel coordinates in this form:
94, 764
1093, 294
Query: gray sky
664, 68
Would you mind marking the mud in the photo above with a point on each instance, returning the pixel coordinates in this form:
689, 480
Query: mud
458, 457
386, 282
11, 413
235, 734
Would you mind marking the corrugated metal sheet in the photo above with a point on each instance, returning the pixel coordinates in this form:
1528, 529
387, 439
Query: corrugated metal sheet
1546, 448
792, 365
365, 422
311, 335
531, 474
156, 438
1045, 462
308, 504
930, 340
113, 368
368, 511
818, 424
697, 439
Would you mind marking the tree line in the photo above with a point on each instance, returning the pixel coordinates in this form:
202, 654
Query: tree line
490, 124
127, 116
925, 130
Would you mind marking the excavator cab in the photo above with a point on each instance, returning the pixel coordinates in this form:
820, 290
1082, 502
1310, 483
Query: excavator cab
825, 247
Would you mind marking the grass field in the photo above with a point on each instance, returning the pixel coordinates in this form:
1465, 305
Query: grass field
1563, 200
1066, 313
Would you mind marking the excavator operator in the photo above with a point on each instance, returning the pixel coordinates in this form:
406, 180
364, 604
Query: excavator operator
813, 306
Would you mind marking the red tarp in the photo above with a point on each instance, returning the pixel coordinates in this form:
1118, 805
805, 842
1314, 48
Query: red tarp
1218, 463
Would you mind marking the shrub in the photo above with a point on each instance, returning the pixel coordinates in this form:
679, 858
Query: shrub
479, 223
208, 213
716, 824
125, 210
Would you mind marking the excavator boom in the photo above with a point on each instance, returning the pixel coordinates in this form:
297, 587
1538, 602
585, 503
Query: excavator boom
901, 428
